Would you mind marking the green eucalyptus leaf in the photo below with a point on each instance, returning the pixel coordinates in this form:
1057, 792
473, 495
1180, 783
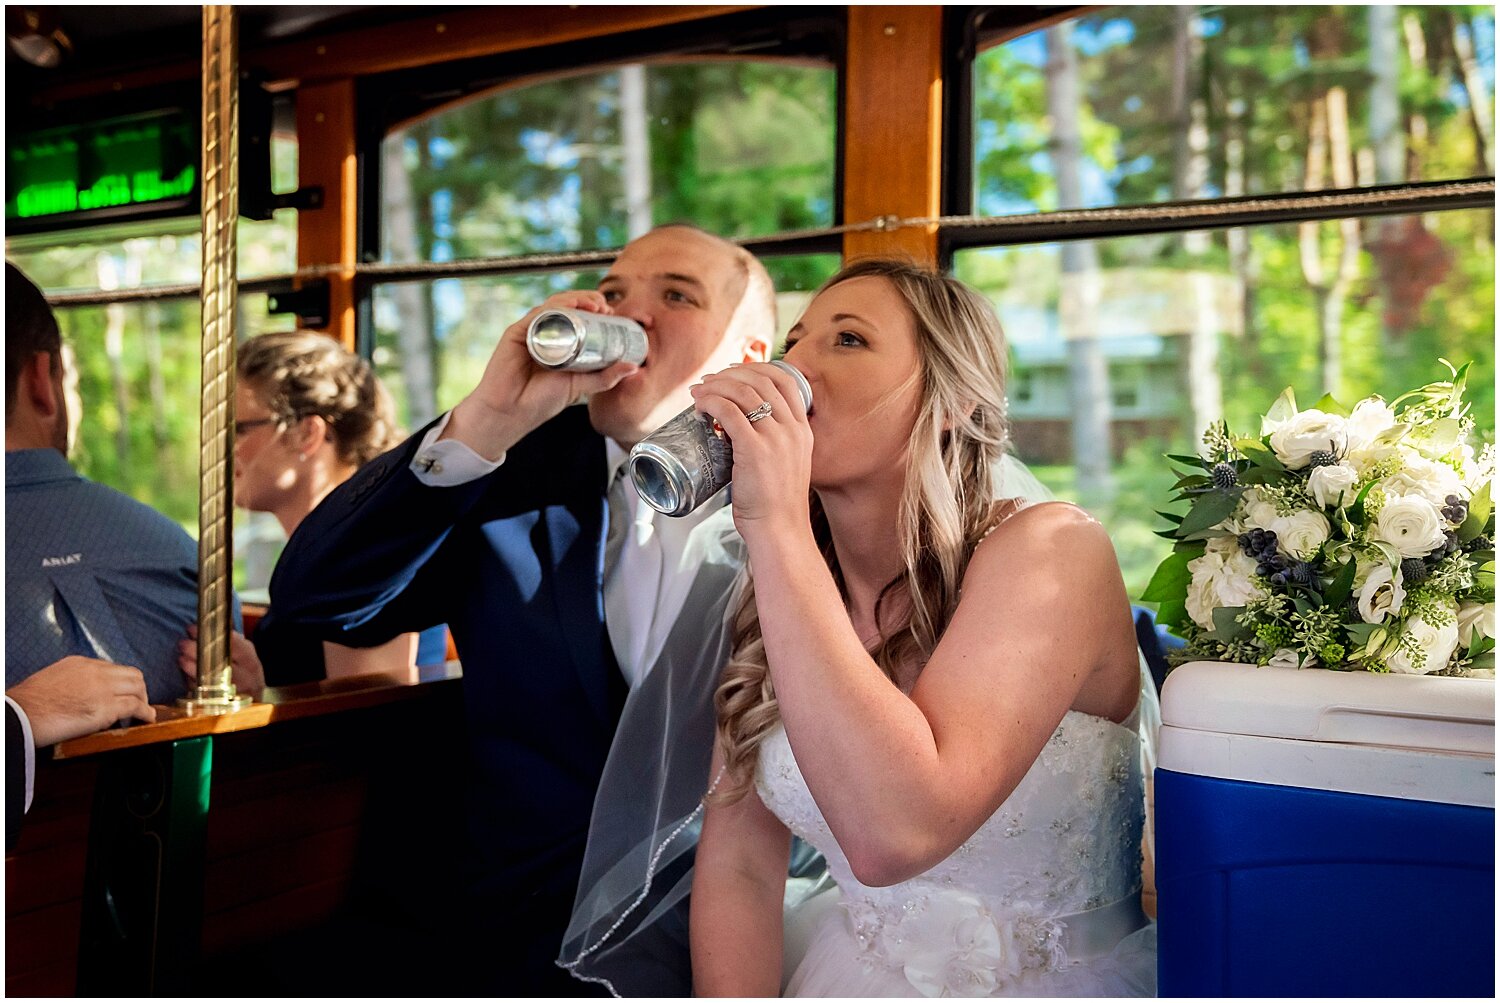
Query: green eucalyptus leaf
1264, 475
1192, 481
1226, 627
1259, 453
1209, 510
1485, 661
1191, 461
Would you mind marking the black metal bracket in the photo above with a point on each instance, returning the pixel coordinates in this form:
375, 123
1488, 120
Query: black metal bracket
309, 303
303, 198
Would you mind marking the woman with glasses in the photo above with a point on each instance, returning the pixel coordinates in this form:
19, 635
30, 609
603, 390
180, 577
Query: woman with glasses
308, 414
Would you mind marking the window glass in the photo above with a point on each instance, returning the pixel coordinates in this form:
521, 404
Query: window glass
135, 367
740, 148
432, 339
1141, 342
1148, 104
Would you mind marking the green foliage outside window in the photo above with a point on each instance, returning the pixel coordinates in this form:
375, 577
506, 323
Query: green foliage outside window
1179, 103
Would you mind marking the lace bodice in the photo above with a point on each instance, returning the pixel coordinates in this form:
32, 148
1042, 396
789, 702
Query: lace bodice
1067, 841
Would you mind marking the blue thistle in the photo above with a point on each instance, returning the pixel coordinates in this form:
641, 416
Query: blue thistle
1224, 476
1321, 458
1413, 571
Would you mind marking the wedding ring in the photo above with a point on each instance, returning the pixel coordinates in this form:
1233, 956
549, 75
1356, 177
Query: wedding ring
764, 411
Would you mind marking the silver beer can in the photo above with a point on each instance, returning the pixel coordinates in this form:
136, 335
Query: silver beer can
689, 459
584, 342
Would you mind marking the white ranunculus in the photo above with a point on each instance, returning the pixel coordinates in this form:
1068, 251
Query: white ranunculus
1333, 485
1300, 534
1223, 576
1428, 478
1437, 644
1475, 620
1382, 593
1411, 524
1307, 432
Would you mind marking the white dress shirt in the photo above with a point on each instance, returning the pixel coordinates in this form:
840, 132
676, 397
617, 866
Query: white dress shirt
30, 746
649, 583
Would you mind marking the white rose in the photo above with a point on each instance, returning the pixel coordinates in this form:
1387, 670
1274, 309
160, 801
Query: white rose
1411, 524
1285, 658
1437, 644
1369, 418
1381, 593
1333, 485
1366, 422
1223, 576
1306, 433
1301, 534
1258, 512
1428, 478
1475, 620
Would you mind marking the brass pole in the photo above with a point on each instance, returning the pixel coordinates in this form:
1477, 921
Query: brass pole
215, 693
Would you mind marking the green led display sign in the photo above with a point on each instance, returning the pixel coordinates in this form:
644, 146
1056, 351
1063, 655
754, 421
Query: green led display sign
106, 170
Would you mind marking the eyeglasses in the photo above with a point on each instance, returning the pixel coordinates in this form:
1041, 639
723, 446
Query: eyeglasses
242, 428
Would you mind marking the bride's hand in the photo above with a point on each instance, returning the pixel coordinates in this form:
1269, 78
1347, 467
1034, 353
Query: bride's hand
773, 454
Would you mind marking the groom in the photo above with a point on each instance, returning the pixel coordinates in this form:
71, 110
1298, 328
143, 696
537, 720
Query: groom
506, 519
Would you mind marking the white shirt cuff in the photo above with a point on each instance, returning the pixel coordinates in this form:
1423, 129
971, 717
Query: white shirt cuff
30, 746
449, 463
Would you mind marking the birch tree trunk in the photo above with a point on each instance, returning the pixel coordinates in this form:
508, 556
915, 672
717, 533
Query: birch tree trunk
414, 342
1479, 97
1242, 260
1328, 152
114, 351
1190, 169
637, 141
1416, 123
1078, 301
1386, 137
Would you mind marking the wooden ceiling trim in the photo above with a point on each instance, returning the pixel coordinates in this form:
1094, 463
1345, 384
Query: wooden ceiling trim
460, 34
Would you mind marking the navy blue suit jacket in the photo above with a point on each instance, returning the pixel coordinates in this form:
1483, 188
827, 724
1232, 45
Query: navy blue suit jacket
513, 563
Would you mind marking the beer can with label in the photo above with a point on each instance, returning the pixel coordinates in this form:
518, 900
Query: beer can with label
689, 459
583, 341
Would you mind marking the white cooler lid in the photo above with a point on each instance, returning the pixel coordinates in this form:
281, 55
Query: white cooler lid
1428, 738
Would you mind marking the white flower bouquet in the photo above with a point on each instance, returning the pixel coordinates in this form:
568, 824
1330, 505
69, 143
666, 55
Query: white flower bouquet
1343, 538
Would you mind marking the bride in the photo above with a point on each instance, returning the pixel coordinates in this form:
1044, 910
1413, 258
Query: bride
935, 686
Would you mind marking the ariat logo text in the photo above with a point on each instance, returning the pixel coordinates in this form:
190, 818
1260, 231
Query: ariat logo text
61, 562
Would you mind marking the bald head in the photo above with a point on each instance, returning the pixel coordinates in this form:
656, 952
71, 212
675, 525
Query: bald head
705, 303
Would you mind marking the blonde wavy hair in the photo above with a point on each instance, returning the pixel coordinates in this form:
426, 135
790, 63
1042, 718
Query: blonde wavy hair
298, 374
948, 502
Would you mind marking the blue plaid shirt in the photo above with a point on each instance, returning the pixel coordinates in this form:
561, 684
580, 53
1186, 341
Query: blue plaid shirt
90, 571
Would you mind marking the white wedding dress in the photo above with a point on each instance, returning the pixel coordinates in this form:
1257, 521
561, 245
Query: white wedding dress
1043, 900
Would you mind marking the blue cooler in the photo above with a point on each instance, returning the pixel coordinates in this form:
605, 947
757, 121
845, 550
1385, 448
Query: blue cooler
1325, 833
